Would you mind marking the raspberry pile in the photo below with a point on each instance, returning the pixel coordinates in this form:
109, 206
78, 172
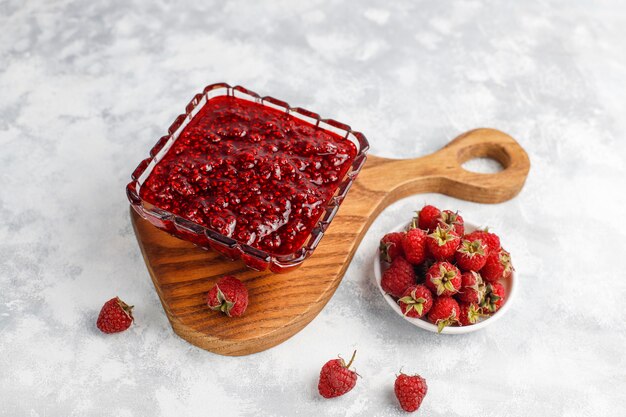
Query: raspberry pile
436, 271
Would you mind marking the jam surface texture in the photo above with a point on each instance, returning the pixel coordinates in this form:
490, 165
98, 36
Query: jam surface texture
252, 173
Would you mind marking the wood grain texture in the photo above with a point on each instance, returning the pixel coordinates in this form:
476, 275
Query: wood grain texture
282, 304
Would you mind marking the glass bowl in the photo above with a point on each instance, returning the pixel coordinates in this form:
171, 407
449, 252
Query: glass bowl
207, 238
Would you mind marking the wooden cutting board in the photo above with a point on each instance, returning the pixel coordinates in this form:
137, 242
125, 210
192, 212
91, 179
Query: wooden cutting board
282, 304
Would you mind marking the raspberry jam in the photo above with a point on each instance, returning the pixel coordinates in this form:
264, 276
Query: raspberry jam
251, 173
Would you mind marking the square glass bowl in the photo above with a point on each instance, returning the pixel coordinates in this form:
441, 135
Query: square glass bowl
207, 238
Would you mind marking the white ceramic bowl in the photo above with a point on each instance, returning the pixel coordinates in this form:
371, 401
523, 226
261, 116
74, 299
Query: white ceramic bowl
509, 286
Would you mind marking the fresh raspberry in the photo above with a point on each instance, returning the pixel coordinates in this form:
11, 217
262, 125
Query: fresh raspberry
443, 279
391, 246
444, 312
490, 239
115, 316
229, 295
452, 220
428, 218
398, 277
471, 255
497, 266
416, 301
415, 246
472, 288
494, 298
410, 391
443, 243
336, 378
470, 313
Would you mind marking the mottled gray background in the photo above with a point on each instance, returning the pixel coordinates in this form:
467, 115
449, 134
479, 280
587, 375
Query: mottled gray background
87, 87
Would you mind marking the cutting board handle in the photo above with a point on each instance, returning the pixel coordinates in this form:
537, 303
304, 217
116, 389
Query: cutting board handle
441, 172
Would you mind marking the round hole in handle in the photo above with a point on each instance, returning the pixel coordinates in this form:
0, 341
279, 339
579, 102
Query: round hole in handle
484, 158
482, 165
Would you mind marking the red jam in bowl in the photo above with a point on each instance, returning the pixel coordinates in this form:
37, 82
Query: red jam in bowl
251, 173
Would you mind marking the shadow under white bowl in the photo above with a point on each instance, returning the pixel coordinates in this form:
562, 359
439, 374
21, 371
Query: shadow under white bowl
509, 287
